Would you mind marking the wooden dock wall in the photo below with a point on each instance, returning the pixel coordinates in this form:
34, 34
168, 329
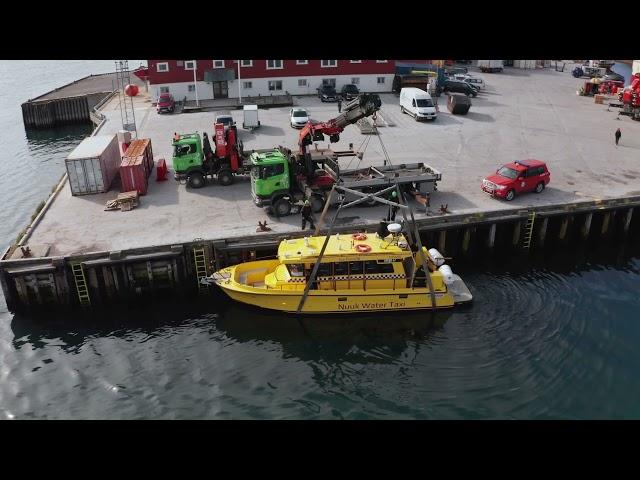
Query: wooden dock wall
145, 273
62, 111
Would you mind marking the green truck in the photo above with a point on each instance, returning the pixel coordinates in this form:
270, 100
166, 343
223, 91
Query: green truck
279, 178
194, 161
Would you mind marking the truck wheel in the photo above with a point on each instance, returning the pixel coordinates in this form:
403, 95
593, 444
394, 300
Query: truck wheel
510, 195
196, 180
317, 203
225, 178
282, 207
540, 187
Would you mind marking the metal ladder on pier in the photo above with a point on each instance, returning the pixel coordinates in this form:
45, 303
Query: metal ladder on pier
81, 284
528, 231
200, 260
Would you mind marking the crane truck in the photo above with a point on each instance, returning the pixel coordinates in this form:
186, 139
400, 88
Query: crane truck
630, 98
194, 161
281, 178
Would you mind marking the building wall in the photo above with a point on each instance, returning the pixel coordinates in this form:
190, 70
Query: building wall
178, 73
260, 86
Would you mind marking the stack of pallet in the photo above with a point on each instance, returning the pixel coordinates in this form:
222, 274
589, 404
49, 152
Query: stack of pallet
125, 201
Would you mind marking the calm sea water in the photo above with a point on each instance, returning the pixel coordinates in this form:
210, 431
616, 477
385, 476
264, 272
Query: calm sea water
551, 337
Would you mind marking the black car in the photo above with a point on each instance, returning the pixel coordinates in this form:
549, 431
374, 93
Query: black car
349, 92
459, 87
327, 93
456, 70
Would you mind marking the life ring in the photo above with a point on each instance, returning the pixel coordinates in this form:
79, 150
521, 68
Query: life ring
362, 248
359, 236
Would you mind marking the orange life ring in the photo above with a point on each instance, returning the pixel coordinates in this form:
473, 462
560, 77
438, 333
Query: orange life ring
359, 236
362, 248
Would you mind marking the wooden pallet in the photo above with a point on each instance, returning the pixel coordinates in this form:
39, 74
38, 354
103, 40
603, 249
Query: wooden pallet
125, 201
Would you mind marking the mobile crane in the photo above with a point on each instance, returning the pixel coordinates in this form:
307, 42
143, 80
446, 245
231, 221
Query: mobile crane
280, 177
194, 160
630, 98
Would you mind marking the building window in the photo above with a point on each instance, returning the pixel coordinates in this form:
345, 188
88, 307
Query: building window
329, 81
302, 62
355, 81
191, 88
328, 63
162, 67
218, 64
247, 85
381, 61
381, 80
275, 85
274, 64
246, 63
355, 61
189, 65
164, 89
302, 82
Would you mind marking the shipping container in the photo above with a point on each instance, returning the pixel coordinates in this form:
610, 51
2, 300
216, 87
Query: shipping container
93, 165
141, 147
133, 175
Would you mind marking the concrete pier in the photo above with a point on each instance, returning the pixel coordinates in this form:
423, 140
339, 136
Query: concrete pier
71, 103
150, 250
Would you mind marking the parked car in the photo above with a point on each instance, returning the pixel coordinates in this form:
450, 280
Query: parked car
327, 93
298, 117
459, 87
166, 103
456, 70
517, 177
478, 83
349, 92
226, 119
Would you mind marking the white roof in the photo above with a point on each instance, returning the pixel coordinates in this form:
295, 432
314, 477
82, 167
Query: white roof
91, 147
250, 107
415, 91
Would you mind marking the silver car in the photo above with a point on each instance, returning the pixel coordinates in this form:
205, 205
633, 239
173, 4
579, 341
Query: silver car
298, 117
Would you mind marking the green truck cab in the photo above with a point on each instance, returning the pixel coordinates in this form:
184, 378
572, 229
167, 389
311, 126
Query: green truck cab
192, 164
271, 180
278, 180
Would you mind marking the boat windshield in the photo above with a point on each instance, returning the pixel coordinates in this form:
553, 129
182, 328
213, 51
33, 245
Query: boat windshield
295, 270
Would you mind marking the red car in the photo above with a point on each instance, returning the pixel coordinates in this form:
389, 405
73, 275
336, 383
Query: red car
166, 103
517, 177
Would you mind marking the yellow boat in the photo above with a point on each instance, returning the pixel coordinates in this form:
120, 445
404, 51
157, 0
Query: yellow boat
356, 273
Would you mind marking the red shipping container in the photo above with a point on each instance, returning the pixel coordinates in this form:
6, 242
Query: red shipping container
133, 175
141, 147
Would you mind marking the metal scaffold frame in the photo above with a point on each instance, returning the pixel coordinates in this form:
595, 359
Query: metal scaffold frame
127, 113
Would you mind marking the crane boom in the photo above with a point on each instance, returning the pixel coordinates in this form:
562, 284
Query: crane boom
365, 105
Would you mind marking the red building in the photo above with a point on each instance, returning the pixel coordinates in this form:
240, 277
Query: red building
230, 78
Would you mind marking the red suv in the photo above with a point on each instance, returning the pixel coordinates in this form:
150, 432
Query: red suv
166, 103
517, 177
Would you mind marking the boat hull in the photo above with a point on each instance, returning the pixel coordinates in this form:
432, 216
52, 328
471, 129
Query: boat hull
323, 302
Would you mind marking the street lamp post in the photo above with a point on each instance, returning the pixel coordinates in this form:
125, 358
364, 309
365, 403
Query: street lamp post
239, 82
195, 83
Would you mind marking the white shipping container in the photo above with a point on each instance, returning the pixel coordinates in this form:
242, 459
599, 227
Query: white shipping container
491, 64
635, 68
93, 165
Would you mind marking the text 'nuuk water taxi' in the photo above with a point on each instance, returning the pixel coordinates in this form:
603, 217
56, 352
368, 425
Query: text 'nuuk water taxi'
356, 273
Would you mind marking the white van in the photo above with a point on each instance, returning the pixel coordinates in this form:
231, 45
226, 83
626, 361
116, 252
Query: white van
417, 103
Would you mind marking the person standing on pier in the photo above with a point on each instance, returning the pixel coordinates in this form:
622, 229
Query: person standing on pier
618, 135
339, 105
306, 215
